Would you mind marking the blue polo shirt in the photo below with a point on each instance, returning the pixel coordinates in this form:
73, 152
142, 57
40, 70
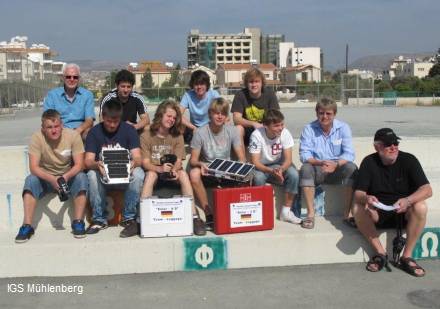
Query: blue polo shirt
198, 109
72, 113
337, 145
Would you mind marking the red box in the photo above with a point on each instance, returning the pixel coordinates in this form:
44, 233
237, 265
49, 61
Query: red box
243, 209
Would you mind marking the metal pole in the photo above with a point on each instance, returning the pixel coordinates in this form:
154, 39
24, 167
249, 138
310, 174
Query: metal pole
357, 89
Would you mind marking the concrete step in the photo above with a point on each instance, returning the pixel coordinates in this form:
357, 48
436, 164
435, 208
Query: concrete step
54, 252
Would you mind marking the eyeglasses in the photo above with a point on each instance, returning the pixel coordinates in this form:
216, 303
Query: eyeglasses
71, 76
391, 144
326, 113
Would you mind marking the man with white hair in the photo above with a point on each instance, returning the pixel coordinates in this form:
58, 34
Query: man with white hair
74, 103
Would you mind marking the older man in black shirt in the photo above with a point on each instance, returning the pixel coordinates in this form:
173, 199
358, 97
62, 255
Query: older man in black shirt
390, 177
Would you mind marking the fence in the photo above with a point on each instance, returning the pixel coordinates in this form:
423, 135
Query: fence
19, 94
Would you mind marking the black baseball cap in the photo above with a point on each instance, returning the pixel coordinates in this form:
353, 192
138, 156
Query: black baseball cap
386, 136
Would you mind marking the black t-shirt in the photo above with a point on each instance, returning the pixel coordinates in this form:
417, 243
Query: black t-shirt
130, 109
390, 182
253, 109
126, 136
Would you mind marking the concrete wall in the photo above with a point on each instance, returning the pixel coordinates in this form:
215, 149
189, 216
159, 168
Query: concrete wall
51, 213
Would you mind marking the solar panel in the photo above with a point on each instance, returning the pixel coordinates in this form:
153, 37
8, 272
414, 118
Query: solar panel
224, 167
214, 164
232, 170
116, 162
245, 169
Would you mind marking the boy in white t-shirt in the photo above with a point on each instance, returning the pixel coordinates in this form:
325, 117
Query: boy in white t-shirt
271, 153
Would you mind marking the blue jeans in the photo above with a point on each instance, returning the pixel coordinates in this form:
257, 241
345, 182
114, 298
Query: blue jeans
98, 195
290, 183
39, 187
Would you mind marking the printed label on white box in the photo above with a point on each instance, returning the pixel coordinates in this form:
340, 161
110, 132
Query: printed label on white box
167, 211
246, 214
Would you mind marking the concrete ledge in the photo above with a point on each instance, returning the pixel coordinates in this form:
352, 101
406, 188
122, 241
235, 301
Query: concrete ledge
14, 169
57, 253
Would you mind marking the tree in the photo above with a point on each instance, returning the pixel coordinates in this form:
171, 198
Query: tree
382, 86
435, 70
175, 77
147, 84
110, 80
147, 79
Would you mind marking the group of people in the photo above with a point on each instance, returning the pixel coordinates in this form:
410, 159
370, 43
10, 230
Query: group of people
67, 148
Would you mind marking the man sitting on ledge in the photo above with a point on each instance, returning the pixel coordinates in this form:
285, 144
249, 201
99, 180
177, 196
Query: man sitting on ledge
326, 151
112, 131
213, 141
391, 177
271, 153
55, 156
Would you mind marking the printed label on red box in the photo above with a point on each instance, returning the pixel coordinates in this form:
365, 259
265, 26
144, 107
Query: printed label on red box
167, 211
246, 214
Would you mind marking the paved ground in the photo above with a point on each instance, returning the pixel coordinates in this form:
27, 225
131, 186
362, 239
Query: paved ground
319, 286
407, 121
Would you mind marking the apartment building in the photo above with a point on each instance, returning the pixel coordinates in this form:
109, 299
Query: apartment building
290, 55
407, 67
19, 62
210, 50
269, 47
249, 46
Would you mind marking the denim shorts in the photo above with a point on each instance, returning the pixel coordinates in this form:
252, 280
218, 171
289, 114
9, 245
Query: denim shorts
39, 187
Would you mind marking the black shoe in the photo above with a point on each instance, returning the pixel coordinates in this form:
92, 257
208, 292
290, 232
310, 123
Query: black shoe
24, 233
131, 229
199, 227
209, 223
95, 227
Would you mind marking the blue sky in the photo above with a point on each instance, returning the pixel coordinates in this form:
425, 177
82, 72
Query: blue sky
157, 30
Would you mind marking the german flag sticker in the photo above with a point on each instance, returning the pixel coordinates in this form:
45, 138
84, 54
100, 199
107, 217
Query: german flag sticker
166, 213
246, 217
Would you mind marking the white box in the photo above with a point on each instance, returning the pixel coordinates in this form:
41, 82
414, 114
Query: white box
162, 217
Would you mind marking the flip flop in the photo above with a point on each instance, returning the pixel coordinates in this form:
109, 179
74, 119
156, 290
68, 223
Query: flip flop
308, 223
380, 260
410, 266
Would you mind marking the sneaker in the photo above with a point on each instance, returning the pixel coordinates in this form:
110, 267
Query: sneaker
131, 229
290, 217
209, 223
199, 227
78, 229
95, 227
24, 233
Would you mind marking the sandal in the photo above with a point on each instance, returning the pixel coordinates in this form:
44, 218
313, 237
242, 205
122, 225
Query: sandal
380, 260
350, 222
308, 223
410, 266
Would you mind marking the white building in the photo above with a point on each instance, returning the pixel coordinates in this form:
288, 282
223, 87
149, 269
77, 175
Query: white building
231, 75
363, 74
18, 62
305, 73
406, 67
290, 55
210, 50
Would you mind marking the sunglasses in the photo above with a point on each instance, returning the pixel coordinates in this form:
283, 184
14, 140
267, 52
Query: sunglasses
391, 144
71, 77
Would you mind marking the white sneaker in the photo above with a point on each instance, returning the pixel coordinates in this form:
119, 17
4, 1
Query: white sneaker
290, 217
